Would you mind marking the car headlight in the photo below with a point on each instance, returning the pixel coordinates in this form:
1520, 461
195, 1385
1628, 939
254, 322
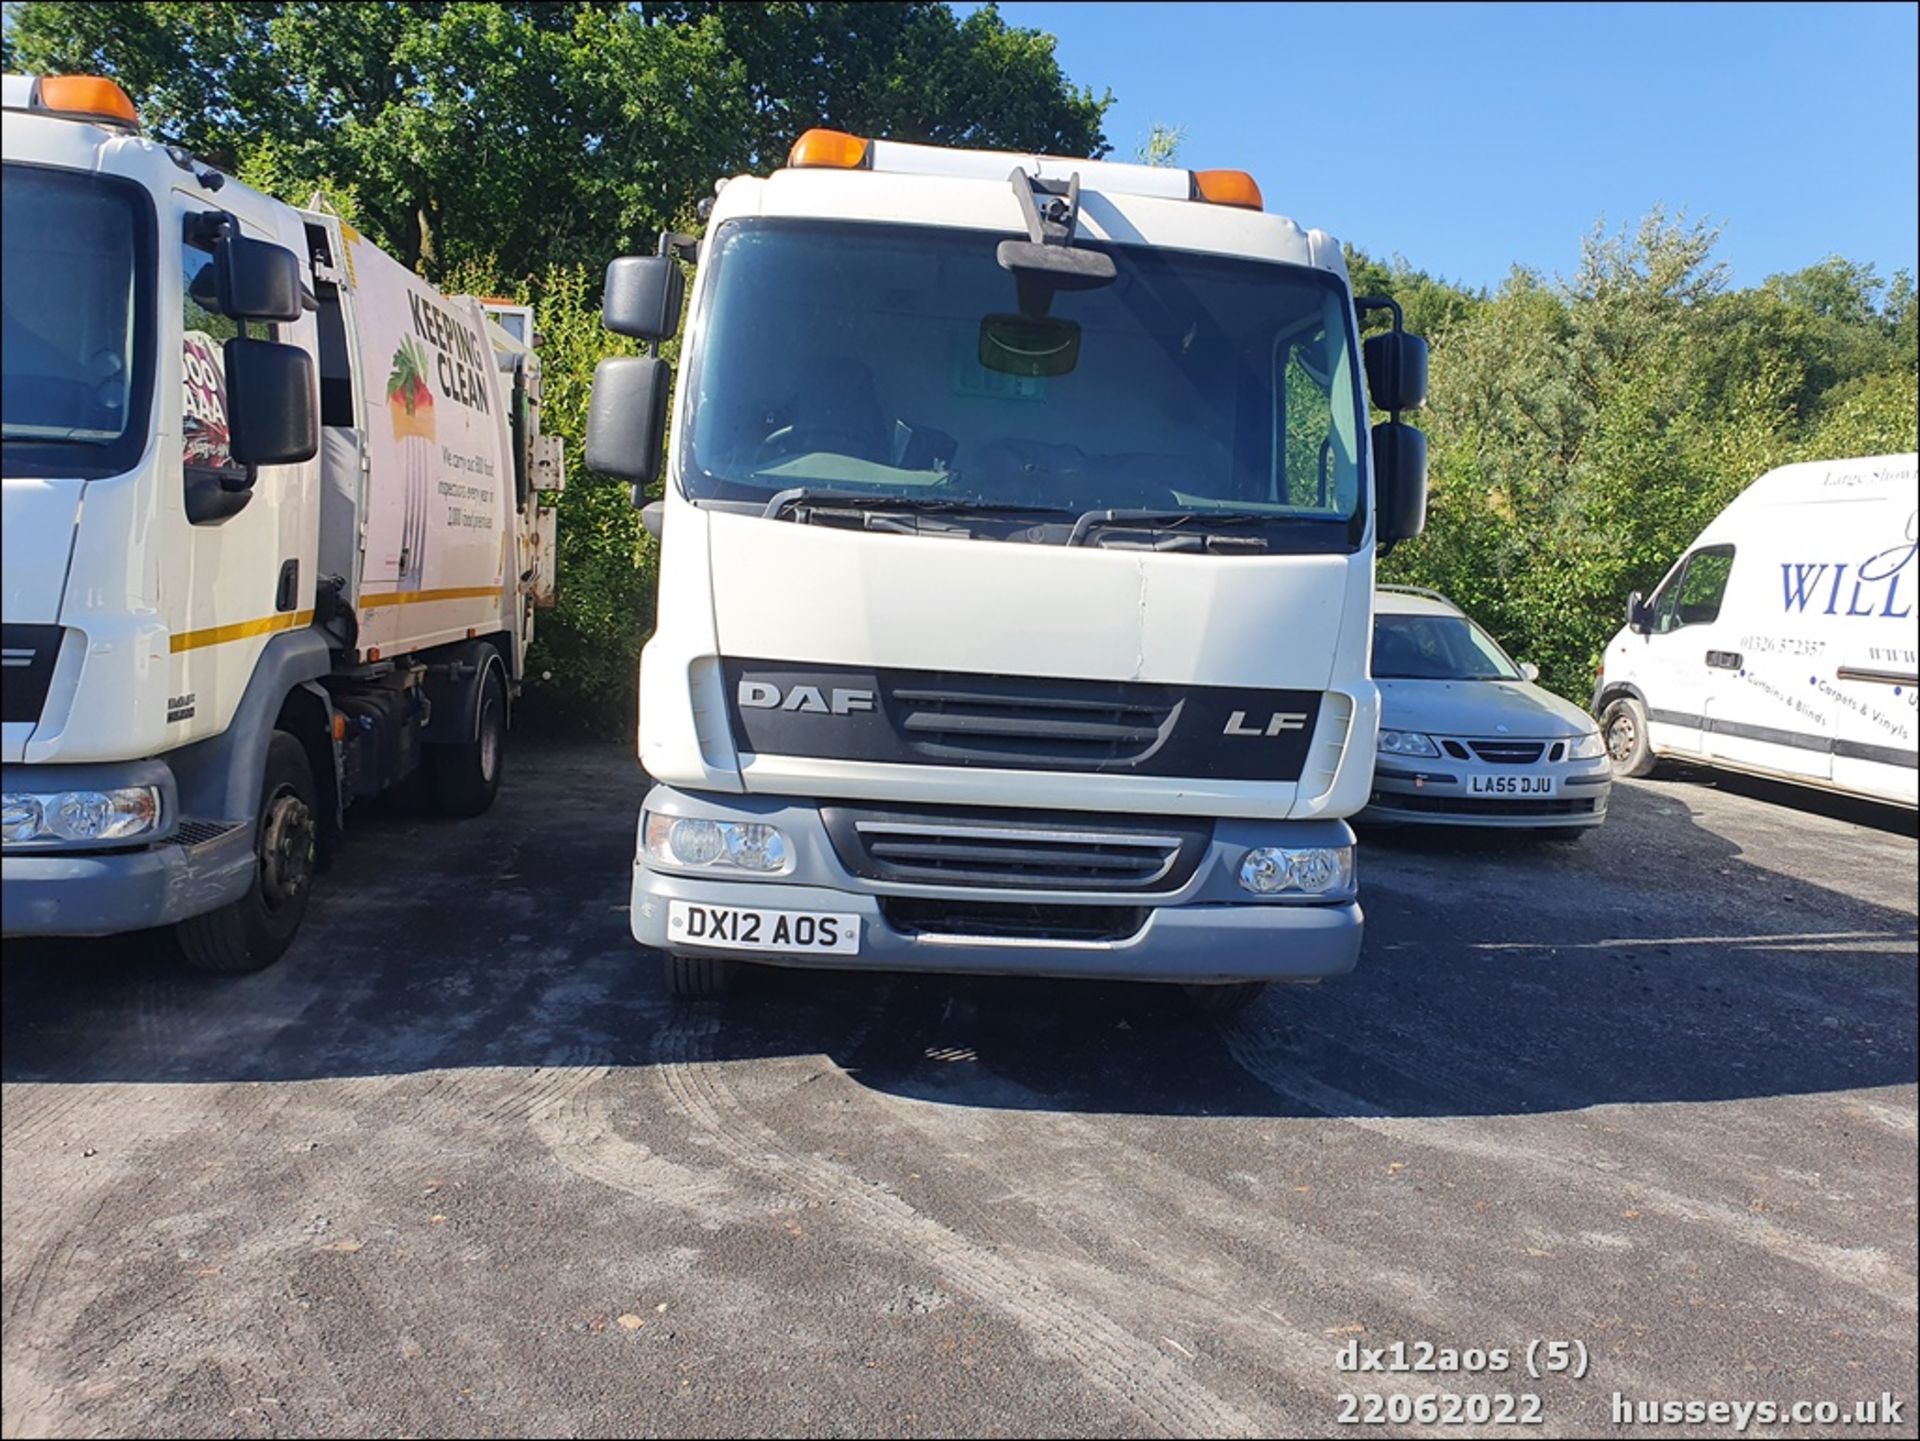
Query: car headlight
28, 816
1587, 747
1308, 870
721, 845
1407, 743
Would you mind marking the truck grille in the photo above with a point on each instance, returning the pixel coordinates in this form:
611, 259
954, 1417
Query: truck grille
27, 653
952, 718
1012, 921
1001, 720
1033, 850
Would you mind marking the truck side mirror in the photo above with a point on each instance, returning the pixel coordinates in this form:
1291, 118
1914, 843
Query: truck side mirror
1639, 618
643, 297
257, 280
272, 410
627, 417
1400, 483
1396, 364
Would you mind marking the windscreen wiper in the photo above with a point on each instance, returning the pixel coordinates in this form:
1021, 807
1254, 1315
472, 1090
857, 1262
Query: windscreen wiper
853, 502
1094, 520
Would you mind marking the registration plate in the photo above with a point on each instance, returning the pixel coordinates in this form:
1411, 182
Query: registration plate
1510, 785
741, 928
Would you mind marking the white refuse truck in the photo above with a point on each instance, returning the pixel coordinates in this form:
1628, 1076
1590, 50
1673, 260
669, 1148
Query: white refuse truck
272, 535
1785, 641
1017, 566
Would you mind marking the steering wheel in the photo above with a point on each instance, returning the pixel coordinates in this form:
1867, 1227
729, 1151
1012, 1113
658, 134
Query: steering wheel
808, 439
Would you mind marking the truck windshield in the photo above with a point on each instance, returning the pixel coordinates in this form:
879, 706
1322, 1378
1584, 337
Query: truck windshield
75, 368
1436, 647
846, 358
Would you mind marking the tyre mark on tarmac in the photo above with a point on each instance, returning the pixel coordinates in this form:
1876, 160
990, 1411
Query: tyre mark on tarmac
1134, 1372
1263, 1053
1199, 1286
93, 1263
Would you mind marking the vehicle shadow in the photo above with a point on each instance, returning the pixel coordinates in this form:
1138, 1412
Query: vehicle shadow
1854, 810
1651, 962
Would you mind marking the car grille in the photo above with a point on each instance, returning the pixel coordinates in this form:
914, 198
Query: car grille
1016, 849
1475, 806
1012, 921
1508, 753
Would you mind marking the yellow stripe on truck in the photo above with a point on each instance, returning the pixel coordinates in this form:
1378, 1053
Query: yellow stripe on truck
239, 630
415, 597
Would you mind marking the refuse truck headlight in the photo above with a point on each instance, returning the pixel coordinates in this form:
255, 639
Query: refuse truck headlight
113, 815
722, 845
1587, 747
1311, 871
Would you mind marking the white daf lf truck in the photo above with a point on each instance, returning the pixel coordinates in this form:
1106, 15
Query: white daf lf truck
1017, 555
1785, 641
271, 535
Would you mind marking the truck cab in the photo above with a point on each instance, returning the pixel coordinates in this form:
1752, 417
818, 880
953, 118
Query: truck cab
206, 660
1017, 549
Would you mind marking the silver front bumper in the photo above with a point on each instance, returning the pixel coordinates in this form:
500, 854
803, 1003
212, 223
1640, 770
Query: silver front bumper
1437, 791
1206, 930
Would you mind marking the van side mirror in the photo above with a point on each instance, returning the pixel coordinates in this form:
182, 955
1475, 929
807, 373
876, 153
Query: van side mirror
1400, 483
1639, 617
627, 418
643, 297
1529, 672
273, 414
257, 280
1396, 365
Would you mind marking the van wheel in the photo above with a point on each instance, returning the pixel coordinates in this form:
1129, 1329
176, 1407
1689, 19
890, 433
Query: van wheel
699, 978
1227, 1000
251, 933
466, 778
1623, 730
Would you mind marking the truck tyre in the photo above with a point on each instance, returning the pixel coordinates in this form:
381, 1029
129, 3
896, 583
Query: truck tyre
1623, 729
251, 933
1225, 1000
466, 778
699, 978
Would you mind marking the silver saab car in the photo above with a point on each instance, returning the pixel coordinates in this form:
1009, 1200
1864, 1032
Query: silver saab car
1466, 737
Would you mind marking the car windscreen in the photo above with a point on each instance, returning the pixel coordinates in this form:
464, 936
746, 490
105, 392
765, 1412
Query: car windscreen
77, 343
1436, 647
852, 358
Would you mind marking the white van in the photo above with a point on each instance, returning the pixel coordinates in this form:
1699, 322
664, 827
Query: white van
1784, 641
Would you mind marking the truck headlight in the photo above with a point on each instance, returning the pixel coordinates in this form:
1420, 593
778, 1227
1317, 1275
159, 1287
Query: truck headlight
1587, 747
1406, 743
722, 845
1310, 870
27, 816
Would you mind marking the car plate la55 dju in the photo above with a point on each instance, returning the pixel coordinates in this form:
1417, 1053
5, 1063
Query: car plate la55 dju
1515, 785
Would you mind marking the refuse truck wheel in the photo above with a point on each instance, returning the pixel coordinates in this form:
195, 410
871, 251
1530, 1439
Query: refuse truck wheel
251, 933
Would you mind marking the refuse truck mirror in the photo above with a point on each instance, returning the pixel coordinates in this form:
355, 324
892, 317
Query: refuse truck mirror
1396, 362
1400, 482
627, 417
257, 280
272, 406
643, 297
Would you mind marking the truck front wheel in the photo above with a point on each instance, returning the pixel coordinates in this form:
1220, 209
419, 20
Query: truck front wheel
699, 978
251, 933
466, 778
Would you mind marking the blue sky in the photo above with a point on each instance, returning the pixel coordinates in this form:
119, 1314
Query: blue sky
1468, 137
